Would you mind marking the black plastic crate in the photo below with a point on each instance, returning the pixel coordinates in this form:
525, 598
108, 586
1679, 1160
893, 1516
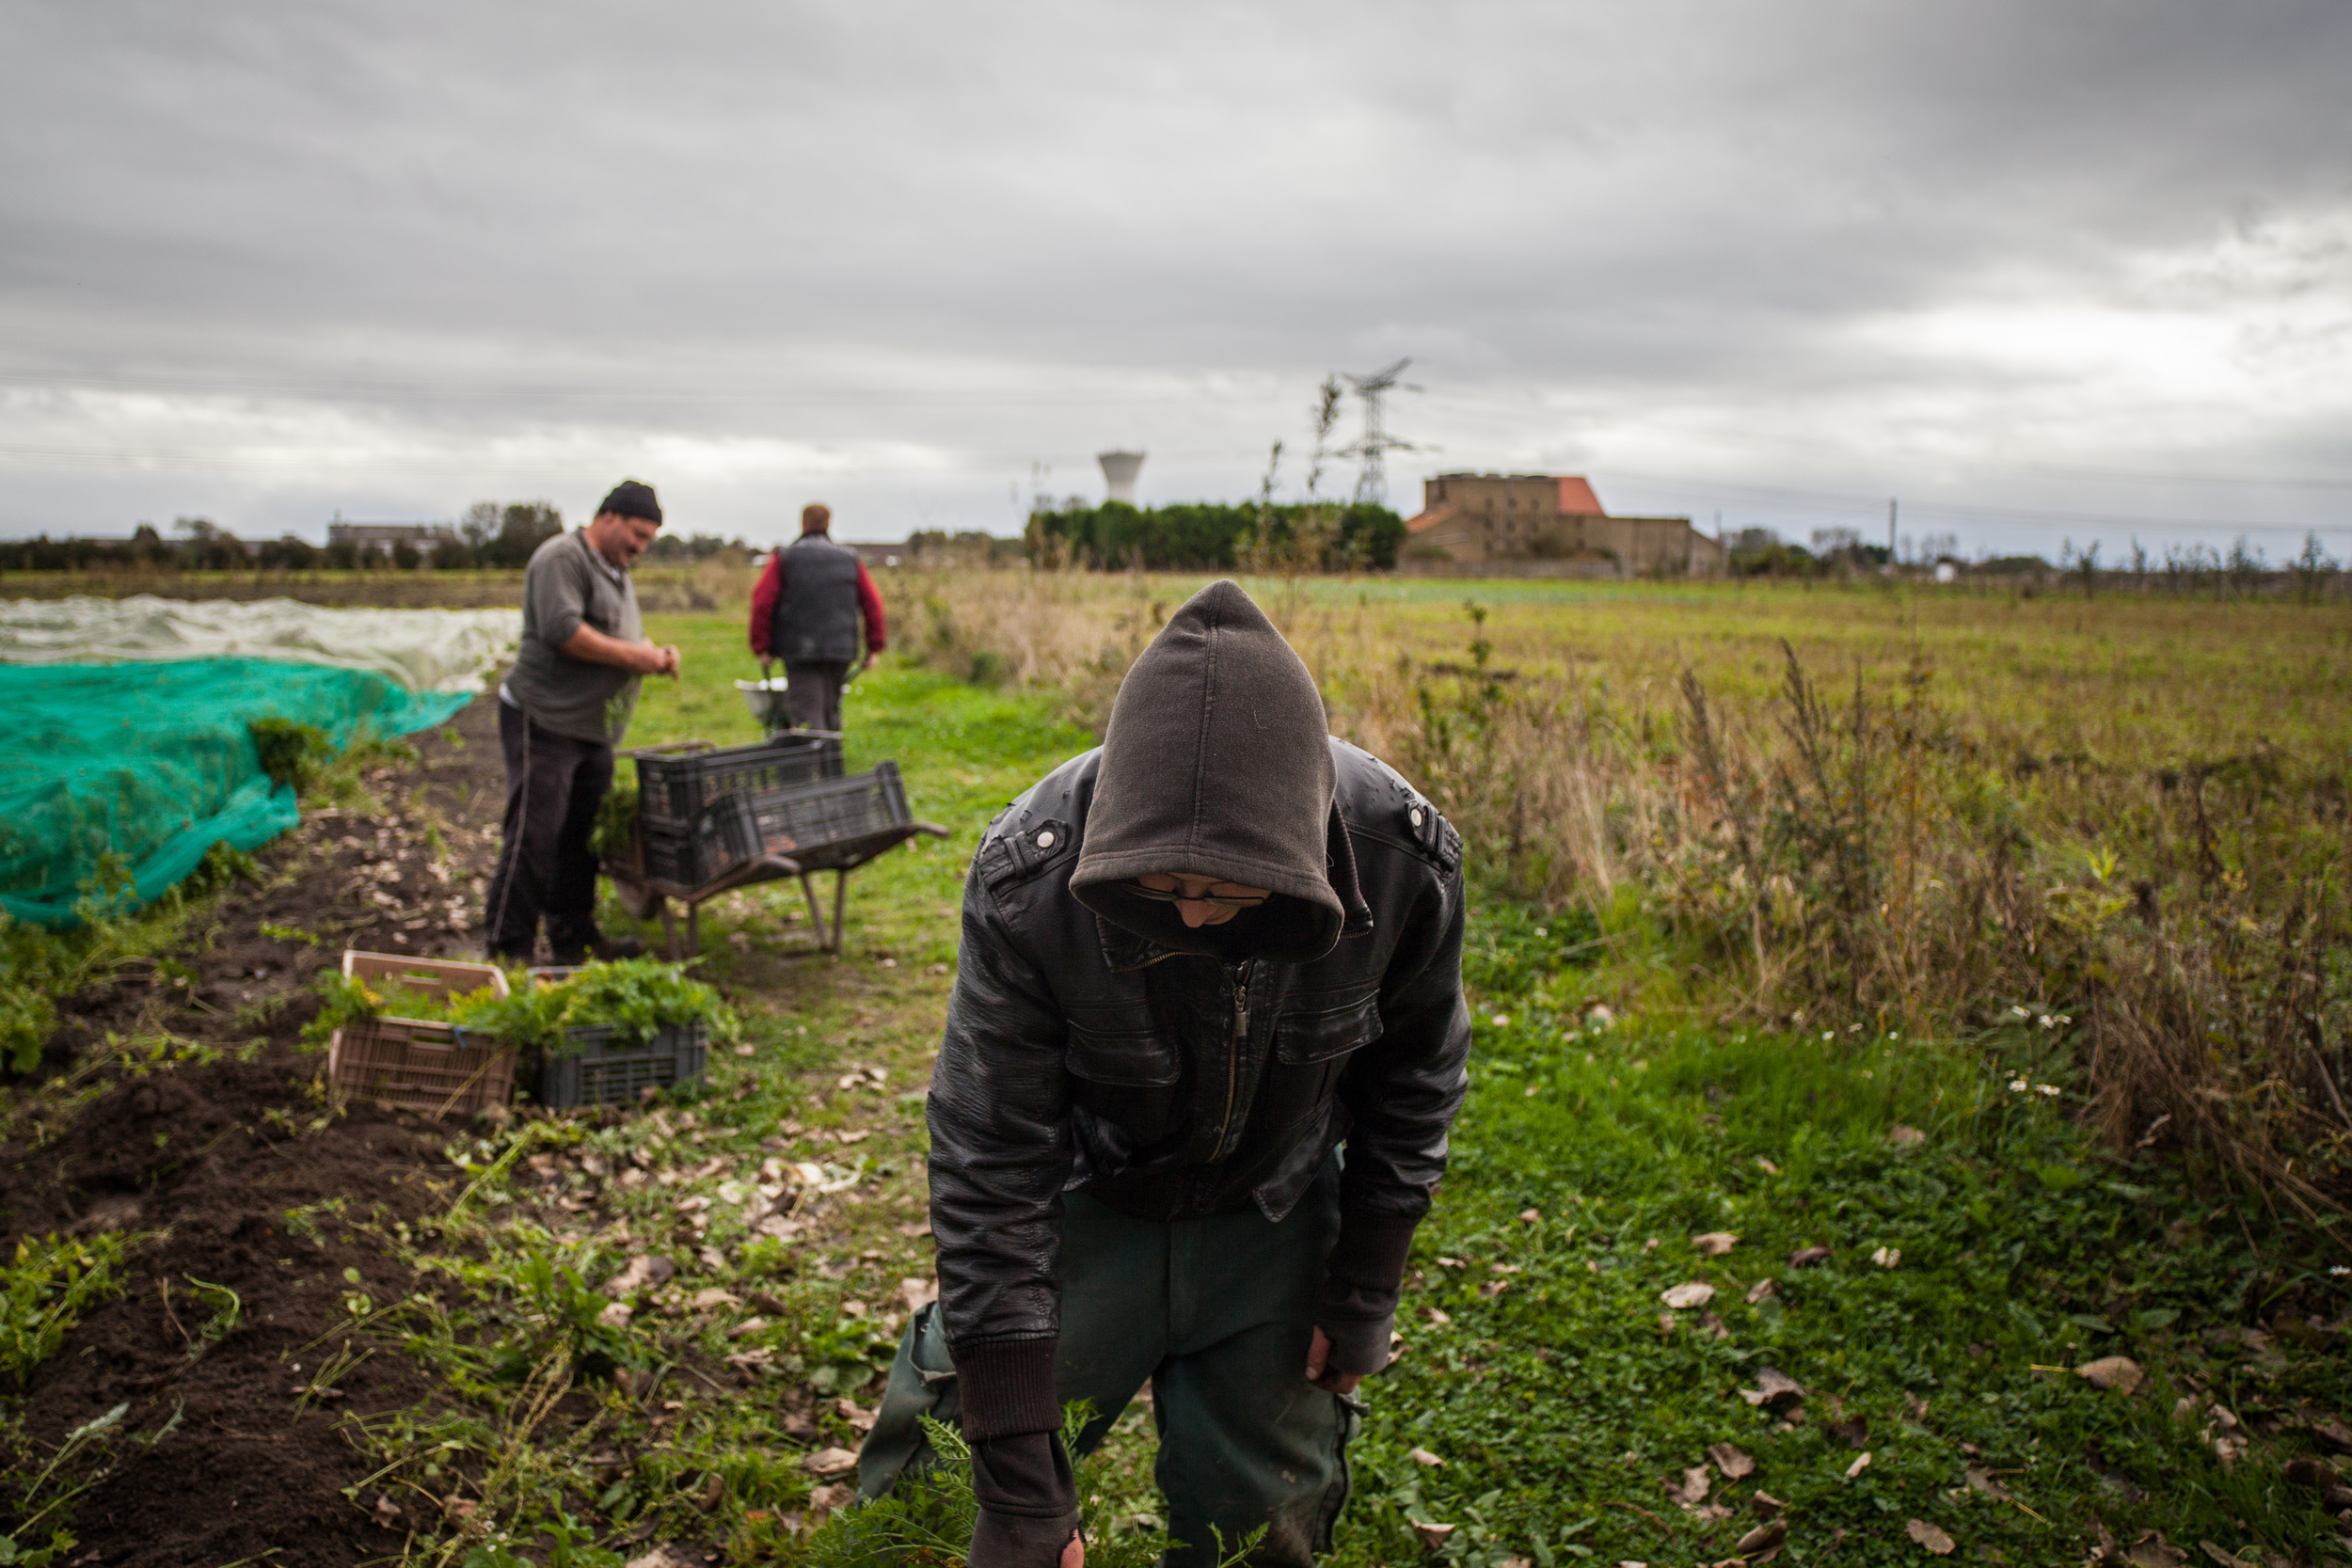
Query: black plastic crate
686, 857
678, 787
603, 1073
806, 817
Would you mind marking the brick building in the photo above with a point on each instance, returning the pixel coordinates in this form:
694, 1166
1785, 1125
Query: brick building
1474, 518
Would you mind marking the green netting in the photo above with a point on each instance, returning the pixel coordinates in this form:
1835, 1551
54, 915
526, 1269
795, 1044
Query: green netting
154, 764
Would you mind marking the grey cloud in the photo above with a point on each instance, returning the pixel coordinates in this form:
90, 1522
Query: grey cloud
996, 232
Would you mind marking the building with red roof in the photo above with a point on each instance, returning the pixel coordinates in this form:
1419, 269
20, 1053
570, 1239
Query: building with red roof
1479, 518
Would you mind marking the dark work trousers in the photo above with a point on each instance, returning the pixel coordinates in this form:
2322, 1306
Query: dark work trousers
554, 788
811, 693
1216, 1313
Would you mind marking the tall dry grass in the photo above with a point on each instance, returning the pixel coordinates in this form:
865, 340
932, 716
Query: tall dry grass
2145, 898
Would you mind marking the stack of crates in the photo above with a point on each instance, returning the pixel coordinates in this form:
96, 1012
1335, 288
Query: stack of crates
680, 831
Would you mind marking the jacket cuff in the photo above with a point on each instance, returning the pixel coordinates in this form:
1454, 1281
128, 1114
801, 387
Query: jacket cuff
1360, 1345
1008, 1388
1372, 1249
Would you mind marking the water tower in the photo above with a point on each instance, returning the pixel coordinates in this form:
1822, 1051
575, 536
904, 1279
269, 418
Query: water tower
1119, 473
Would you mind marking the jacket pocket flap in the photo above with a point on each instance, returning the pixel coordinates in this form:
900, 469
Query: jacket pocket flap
1102, 1054
1328, 1028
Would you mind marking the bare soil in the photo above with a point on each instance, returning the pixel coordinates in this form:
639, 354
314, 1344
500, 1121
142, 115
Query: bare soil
210, 1156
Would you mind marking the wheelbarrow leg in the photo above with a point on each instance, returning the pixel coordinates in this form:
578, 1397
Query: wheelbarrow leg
841, 892
693, 930
669, 930
816, 912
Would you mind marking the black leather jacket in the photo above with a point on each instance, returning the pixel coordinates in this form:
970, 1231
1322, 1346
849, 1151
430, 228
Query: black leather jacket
1167, 1085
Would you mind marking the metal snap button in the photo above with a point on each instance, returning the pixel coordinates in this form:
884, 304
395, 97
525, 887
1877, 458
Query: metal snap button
1045, 839
1414, 817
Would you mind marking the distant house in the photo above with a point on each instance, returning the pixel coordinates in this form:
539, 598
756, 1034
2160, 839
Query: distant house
1474, 518
382, 538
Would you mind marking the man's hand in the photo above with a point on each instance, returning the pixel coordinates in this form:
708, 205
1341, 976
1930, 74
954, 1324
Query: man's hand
1075, 1554
644, 658
868, 662
1319, 1369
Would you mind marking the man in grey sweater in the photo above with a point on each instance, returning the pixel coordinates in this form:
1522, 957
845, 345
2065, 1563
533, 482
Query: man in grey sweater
562, 709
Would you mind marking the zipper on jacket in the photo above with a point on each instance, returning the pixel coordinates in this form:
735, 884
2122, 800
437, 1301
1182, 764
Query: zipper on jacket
1233, 1054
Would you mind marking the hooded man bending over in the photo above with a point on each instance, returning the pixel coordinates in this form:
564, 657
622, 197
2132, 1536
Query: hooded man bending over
1199, 965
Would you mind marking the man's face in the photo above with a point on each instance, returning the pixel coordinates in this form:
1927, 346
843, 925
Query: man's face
623, 539
1202, 900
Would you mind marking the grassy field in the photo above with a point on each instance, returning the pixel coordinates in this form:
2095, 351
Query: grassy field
1634, 1129
1562, 1397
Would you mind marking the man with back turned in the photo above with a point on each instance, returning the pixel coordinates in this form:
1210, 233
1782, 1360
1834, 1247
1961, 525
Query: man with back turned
805, 611
1199, 964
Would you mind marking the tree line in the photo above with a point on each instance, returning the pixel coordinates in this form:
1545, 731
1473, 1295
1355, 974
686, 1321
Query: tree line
1214, 536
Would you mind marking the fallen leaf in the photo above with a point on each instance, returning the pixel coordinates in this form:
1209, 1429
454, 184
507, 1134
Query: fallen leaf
1982, 1479
1434, 1537
616, 1315
1928, 1536
1804, 1258
2225, 1559
1530, 1216
826, 1463
748, 1327
917, 1227
824, 1500
661, 1557
643, 1271
1714, 1244
711, 1298
1861, 1463
849, 1411
1695, 1294
917, 1293
1694, 1488
1758, 1291
385, 1509
1766, 1167
1763, 1537
1435, 1316
1900, 1135
1853, 1433
2152, 1550
2119, 1373
1773, 1387
2333, 1432
1730, 1461
1766, 1504
1887, 1257
1422, 1456
706, 1495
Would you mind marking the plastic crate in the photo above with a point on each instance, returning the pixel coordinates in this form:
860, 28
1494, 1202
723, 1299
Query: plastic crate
607, 1073
685, 857
807, 818
414, 1063
676, 786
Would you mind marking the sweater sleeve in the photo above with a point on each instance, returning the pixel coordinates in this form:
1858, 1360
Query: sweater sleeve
1403, 1092
763, 596
870, 606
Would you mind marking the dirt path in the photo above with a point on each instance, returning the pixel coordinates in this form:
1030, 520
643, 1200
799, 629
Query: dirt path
208, 1140
197, 1120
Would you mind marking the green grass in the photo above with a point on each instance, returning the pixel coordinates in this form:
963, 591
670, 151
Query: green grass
1557, 1404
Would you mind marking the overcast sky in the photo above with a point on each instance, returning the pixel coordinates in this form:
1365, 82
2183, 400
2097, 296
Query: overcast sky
2042, 272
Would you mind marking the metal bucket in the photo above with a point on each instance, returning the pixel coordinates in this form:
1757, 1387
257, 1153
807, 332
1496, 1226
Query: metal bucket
765, 698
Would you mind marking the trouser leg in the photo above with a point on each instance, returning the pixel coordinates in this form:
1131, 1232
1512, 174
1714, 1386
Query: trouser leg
1218, 1313
1114, 1276
538, 784
571, 899
1245, 1439
812, 693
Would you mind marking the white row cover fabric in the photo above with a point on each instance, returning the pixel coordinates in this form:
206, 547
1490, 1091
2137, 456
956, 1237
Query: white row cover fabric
425, 650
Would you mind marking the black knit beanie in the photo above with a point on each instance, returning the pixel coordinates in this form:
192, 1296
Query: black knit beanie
633, 498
